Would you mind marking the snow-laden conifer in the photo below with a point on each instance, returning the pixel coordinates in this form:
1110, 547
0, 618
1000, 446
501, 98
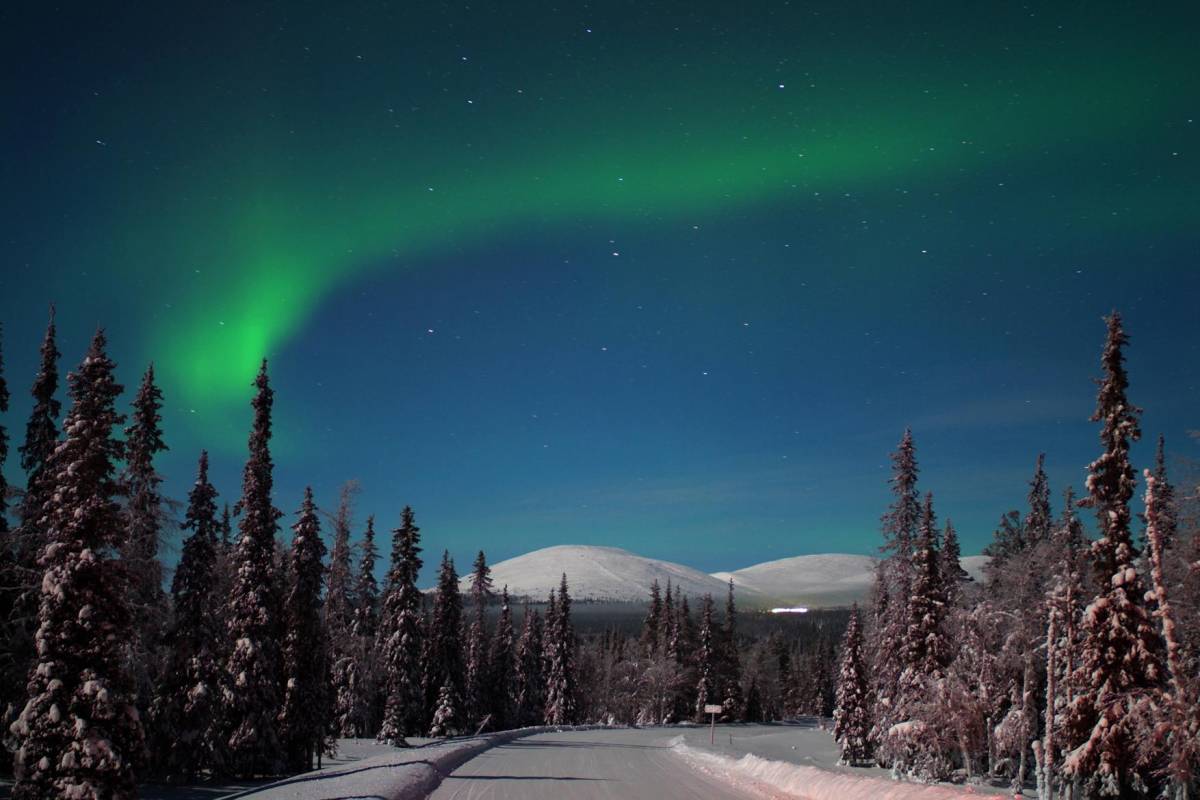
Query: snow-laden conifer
79, 733
562, 700
477, 667
529, 682
443, 667
852, 712
400, 637
253, 618
187, 703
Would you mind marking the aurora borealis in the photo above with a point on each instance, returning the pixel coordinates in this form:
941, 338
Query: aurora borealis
671, 277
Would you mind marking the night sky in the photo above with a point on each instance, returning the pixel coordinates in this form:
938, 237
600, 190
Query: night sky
668, 277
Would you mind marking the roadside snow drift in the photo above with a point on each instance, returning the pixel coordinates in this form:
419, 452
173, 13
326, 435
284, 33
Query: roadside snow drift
811, 783
404, 774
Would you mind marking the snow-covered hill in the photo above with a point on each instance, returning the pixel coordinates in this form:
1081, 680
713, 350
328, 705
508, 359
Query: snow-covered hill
596, 573
609, 573
829, 579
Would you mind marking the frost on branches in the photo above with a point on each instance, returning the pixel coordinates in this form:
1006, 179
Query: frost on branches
400, 639
1120, 674
852, 714
254, 625
79, 733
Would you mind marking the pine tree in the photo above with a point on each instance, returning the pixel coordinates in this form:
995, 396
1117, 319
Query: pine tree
950, 565
254, 622
10, 672
730, 661
499, 693
1121, 670
529, 683
926, 652
186, 710
400, 637
477, 668
893, 580
653, 621
79, 733
562, 701
852, 712
1177, 731
22, 572
41, 438
303, 719
364, 628
443, 675
708, 686
339, 609
1038, 523
445, 713
143, 516
1168, 509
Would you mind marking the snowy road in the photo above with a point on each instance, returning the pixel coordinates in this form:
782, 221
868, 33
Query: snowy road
598, 764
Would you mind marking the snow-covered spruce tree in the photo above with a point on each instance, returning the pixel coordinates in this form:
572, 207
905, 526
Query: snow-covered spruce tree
304, 717
1120, 674
253, 620
893, 577
499, 695
365, 713
41, 438
80, 735
529, 683
730, 661
562, 701
477, 668
852, 712
911, 743
143, 516
950, 565
1168, 508
400, 639
445, 713
9, 674
443, 671
20, 580
1064, 605
653, 621
186, 709
708, 683
339, 607
1177, 726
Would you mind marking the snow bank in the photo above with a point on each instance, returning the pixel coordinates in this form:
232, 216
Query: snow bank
402, 774
812, 783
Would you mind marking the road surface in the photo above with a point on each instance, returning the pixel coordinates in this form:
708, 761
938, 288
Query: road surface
585, 765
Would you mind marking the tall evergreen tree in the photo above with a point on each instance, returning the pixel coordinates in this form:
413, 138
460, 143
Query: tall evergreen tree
1038, 521
10, 671
708, 685
893, 581
186, 711
852, 711
41, 438
530, 685
562, 701
1121, 663
500, 695
79, 733
303, 720
400, 637
443, 674
5, 544
143, 516
1168, 510
20, 579
254, 622
339, 610
653, 622
477, 669
730, 660
950, 565
360, 712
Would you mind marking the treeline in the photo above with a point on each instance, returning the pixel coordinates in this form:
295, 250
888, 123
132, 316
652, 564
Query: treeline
263, 653
1075, 667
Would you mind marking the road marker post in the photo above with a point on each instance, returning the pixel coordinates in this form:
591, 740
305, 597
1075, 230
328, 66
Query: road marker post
712, 725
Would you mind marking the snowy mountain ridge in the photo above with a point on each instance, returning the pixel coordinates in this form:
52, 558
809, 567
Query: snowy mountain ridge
610, 573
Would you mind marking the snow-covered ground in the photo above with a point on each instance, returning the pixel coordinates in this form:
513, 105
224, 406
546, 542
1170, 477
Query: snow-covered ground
817, 581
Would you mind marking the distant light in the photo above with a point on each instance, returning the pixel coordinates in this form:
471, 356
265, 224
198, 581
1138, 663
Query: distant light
795, 610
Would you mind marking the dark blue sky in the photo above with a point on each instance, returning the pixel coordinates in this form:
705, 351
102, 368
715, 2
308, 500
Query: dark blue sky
672, 278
